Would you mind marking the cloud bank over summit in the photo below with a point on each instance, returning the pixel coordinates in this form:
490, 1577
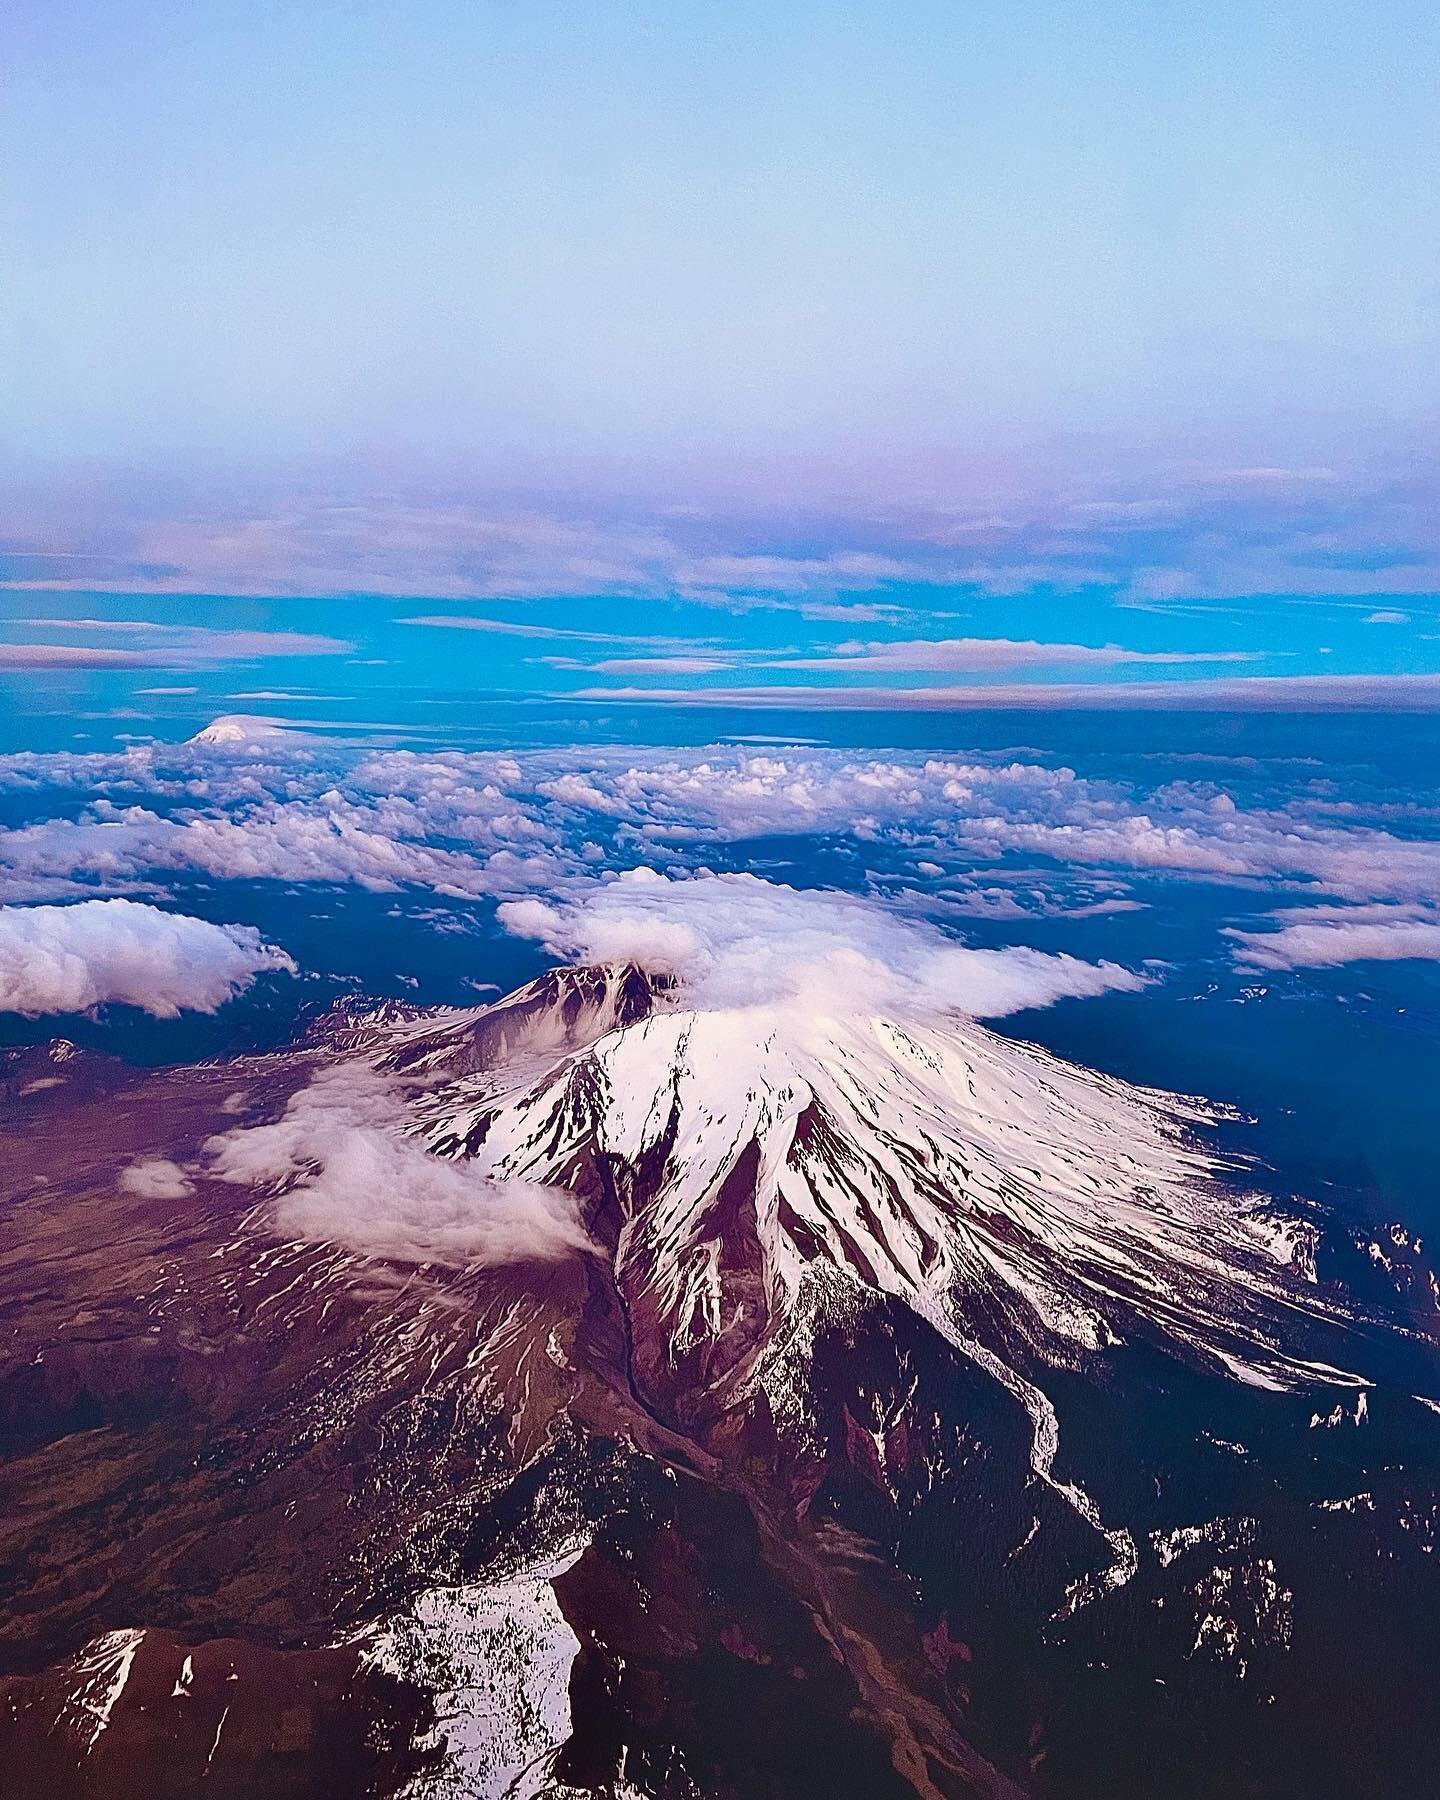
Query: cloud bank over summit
735, 941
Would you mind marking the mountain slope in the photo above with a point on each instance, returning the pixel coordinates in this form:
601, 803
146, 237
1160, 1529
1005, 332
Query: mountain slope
1007, 1197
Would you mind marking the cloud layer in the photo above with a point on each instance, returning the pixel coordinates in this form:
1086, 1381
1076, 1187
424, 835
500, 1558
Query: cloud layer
1250, 693
21, 657
71, 959
145, 644
1159, 535
246, 800
1007, 837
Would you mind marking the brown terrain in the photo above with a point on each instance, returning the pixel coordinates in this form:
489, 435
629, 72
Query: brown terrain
228, 1458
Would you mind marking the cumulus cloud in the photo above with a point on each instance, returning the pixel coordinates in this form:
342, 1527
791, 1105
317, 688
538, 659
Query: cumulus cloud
372, 848
156, 1178
735, 940
247, 800
71, 959
1324, 937
349, 1175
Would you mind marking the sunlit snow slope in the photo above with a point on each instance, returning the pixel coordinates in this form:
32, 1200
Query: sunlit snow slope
728, 1156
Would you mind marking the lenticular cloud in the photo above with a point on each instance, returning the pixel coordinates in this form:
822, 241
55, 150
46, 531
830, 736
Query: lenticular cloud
71, 959
735, 940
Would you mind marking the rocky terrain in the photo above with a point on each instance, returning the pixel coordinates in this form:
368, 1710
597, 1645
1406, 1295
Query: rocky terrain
595, 1394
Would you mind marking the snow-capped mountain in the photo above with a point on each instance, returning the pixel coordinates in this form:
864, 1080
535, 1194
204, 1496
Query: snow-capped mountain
732, 1160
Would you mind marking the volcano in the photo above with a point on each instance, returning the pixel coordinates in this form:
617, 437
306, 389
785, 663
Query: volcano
797, 1400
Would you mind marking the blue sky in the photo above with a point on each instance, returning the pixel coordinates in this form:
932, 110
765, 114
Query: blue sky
1034, 322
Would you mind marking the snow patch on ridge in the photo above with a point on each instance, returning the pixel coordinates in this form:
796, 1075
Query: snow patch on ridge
496, 1658
102, 1669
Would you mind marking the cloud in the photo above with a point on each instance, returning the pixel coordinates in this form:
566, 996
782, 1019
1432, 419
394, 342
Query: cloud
668, 655
850, 612
506, 628
375, 841
847, 571
972, 653
71, 959
443, 552
197, 643
659, 665
156, 1178
249, 800
1326, 937
1253, 693
1386, 615
1158, 532
1280, 577
406, 550
349, 1175
735, 940
69, 656
297, 694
